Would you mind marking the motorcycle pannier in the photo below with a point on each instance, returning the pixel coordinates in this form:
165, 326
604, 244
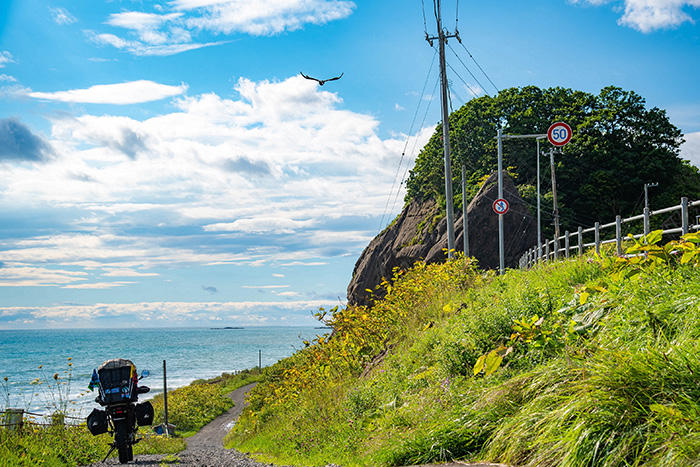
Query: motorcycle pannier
144, 413
117, 378
97, 422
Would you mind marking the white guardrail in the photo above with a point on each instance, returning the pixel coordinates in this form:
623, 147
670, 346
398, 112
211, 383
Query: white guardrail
552, 249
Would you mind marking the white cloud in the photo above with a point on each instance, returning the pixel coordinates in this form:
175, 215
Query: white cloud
5, 58
134, 92
260, 225
175, 31
247, 312
22, 276
262, 17
61, 16
690, 150
274, 177
4, 77
650, 15
97, 285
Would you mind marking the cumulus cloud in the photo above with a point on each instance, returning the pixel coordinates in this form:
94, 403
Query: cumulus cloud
650, 15
241, 181
19, 143
134, 92
210, 289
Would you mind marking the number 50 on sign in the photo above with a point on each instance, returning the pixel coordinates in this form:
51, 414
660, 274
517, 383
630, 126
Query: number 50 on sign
559, 134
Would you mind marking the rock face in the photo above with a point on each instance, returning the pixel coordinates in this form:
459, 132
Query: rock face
420, 233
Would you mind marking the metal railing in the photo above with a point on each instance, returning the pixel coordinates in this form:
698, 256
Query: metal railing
573, 242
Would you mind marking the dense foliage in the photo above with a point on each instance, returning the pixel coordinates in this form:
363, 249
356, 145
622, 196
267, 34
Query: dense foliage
588, 362
618, 145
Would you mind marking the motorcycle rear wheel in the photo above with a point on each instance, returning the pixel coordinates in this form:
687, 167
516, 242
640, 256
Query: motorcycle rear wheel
121, 438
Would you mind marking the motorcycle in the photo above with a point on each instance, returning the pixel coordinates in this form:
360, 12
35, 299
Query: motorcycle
117, 382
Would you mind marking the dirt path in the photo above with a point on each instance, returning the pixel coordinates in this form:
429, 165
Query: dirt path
206, 448
212, 435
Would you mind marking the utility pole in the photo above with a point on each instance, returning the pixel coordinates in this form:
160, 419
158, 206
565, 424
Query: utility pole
442, 39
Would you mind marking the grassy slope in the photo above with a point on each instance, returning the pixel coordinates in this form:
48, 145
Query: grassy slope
609, 376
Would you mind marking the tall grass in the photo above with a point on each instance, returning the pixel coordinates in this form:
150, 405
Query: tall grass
595, 363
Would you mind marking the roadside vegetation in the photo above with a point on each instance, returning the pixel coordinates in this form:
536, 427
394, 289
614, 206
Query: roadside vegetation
190, 408
587, 362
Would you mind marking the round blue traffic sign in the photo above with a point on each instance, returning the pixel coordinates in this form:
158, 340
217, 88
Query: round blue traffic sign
559, 134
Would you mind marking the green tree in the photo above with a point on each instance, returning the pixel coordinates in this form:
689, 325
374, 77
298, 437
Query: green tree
617, 146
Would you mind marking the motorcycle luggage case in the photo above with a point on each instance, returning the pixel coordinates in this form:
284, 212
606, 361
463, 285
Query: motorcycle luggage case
144, 413
97, 422
117, 378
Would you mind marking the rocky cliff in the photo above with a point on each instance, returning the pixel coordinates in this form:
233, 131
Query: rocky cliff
420, 233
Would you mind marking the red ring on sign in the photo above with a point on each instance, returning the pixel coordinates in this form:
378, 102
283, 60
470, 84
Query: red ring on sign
501, 206
553, 134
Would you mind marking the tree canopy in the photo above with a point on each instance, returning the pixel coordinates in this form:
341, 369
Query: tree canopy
618, 145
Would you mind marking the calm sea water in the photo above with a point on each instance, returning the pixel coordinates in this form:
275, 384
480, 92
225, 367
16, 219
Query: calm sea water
190, 354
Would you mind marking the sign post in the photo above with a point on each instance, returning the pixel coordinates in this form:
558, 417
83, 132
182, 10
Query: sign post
559, 134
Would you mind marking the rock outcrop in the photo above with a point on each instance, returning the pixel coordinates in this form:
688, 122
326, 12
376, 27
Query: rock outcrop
420, 233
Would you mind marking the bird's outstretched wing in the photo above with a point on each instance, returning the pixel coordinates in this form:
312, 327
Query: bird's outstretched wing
309, 77
333, 79
321, 81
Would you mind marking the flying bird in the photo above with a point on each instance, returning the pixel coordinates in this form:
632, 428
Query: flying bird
321, 81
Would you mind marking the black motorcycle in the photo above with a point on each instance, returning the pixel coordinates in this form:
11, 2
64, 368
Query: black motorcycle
117, 381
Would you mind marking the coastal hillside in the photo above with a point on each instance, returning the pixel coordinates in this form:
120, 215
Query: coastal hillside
591, 361
618, 145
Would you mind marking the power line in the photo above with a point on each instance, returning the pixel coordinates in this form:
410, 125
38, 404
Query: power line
474, 93
403, 153
469, 71
477, 64
415, 143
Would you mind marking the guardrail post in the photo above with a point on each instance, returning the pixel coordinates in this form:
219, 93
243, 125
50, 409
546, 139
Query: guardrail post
618, 234
566, 244
555, 247
546, 251
580, 241
597, 238
647, 229
684, 215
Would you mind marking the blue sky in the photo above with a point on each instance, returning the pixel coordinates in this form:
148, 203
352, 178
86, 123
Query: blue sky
163, 163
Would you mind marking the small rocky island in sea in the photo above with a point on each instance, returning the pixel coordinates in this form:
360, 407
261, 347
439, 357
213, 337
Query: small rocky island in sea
228, 327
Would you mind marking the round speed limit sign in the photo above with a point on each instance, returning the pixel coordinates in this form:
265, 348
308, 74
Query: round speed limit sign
559, 134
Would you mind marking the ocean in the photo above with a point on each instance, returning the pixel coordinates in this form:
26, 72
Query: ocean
190, 353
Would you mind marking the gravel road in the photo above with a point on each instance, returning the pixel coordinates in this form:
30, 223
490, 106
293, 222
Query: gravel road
206, 448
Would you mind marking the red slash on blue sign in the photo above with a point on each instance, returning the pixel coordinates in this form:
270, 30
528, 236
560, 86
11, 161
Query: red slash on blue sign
500, 206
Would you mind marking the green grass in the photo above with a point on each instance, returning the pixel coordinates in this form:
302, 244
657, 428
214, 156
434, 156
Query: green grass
192, 407
608, 376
